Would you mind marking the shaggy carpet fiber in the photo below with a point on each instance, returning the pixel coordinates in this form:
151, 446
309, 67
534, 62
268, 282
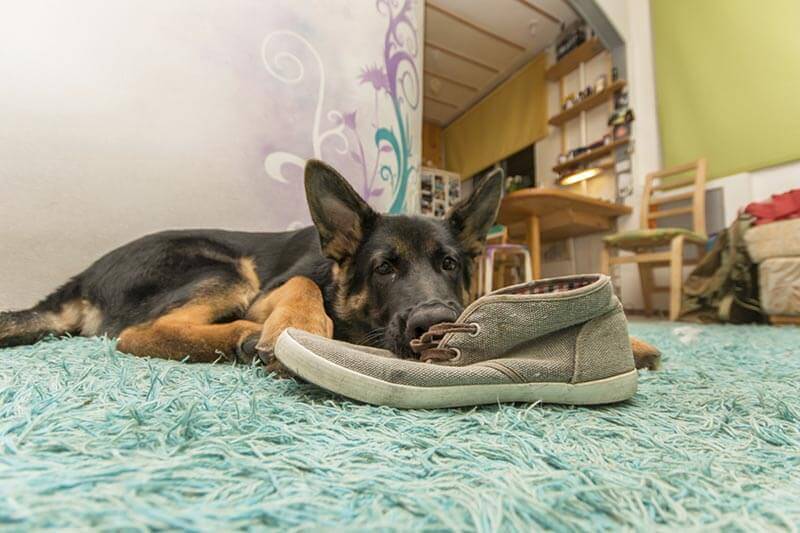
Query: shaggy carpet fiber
92, 438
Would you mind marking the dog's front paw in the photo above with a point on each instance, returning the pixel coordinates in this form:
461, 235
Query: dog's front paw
273, 366
246, 351
265, 351
252, 348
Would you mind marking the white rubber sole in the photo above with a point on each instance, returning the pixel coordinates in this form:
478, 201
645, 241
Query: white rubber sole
304, 363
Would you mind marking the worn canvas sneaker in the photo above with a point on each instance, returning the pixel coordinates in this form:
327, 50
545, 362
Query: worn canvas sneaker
561, 340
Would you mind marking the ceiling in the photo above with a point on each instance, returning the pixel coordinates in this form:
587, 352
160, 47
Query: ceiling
471, 46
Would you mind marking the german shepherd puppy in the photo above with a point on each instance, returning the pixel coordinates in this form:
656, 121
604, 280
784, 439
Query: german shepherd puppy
204, 294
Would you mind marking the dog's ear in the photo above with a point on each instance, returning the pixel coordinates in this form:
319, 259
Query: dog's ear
342, 218
472, 218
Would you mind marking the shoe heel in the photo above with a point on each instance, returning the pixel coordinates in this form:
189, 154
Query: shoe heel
603, 348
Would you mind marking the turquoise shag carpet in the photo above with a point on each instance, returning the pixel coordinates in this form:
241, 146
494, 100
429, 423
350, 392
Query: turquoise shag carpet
92, 438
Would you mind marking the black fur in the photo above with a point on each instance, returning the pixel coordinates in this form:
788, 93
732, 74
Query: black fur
147, 277
144, 279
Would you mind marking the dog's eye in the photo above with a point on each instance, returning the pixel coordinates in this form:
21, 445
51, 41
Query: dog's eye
449, 264
384, 268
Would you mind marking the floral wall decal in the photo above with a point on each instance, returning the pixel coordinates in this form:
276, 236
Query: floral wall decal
206, 125
372, 131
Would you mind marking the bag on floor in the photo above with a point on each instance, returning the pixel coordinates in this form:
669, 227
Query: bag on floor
723, 287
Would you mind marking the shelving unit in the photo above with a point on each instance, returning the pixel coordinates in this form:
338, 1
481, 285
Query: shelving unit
575, 61
439, 190
591, 155
572, 60
587, 104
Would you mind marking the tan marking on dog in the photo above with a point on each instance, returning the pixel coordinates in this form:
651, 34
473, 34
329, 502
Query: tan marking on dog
341, 244
465, 296
259, 309
188, 330
76, 316
247, 268
298, 303
402, 248
92, 320
177, 335
235, 298
352, 305
347, 306
69, 317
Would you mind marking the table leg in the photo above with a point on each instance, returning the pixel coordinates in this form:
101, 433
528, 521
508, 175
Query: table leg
534, 245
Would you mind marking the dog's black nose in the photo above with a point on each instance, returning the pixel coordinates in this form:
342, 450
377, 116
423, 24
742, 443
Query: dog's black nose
426, 315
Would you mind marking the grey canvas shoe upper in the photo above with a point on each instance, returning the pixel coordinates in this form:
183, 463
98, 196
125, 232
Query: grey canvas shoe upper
560, 340
536, 320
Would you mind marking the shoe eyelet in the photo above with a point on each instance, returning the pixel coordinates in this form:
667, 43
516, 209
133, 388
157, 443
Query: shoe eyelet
456, 357
477, 329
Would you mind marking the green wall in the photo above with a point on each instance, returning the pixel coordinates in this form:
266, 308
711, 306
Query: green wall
728, 82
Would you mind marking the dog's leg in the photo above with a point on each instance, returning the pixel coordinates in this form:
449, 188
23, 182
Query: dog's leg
189, 330
297, 304
179, 335
645, 355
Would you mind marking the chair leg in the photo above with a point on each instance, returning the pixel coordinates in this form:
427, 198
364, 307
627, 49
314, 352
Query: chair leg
605, 261
675, 277
528, 268
479, 277
488, 273
647, 282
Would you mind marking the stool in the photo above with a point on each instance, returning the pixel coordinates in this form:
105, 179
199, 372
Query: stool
486, 265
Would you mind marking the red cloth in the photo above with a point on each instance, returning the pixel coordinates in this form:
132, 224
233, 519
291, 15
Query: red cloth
779, 207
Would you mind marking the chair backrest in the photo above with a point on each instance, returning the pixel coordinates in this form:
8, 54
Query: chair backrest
657, 195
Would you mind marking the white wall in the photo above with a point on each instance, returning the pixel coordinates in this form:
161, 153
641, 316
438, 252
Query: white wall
122, 118
579, 254
645, 150
740, 189
632, 21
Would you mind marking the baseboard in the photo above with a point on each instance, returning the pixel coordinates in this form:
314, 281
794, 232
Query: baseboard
781, 320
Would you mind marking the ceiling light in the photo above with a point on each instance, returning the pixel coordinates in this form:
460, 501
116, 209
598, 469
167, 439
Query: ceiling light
579, 176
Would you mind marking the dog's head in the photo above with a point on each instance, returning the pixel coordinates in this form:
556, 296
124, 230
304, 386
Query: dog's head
394, 276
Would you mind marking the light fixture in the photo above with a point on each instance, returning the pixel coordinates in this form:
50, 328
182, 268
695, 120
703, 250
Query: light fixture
579, 176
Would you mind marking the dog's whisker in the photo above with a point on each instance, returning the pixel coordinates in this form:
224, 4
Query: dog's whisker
371, 341
372, 337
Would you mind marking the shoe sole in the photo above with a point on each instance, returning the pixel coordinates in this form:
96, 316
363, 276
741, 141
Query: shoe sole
304, 363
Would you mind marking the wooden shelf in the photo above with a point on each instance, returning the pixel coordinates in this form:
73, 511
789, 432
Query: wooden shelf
587, 103
591, 155
570, 62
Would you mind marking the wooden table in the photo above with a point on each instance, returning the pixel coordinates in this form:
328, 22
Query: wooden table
554, 214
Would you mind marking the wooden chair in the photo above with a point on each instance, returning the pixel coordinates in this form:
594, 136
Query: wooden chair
646, 242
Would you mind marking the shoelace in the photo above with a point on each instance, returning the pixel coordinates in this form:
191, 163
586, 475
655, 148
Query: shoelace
426, 345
